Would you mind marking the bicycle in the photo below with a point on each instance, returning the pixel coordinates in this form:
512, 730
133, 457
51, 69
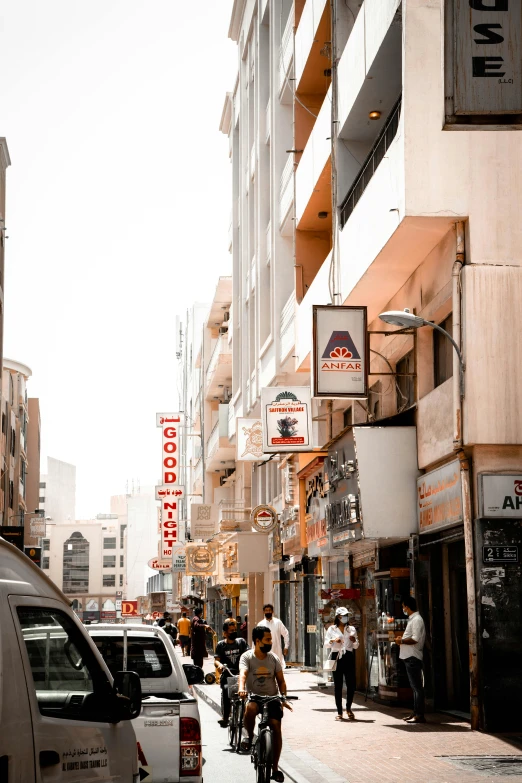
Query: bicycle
237, 710
262, 754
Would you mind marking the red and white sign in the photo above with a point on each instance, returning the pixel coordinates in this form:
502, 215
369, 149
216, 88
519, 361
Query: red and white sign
129, 609
169, 520
170, 424
160, 565
156, 615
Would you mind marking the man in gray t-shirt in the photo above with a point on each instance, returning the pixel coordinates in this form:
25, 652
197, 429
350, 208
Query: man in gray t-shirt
261, 674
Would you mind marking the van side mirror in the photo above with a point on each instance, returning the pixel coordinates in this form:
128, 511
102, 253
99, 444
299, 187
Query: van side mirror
127, 696
194, 674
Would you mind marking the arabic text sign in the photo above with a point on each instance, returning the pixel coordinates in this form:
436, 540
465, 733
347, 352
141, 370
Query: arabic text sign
169, 523
201, 559
179, 562
287, 419
501, 495
170, 424
249, 440
203, 520
439, 498
487, 57
340, 353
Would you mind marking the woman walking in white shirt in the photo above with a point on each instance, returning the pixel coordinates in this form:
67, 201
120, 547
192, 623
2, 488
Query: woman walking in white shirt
341, 640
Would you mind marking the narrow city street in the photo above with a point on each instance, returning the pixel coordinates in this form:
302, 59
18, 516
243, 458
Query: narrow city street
221, 764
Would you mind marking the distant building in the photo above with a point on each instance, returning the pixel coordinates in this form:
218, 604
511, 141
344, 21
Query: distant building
58, 492
142, 541
14, 462
32, 485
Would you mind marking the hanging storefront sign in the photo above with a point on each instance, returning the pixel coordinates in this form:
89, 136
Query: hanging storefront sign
179, 561
129, 609
203, 520
170, 424
159, 565
263, 518
341, 595
500, 495
201, 559
439, 498
158, 602
169, 519
36, 526
249, 441
287, 419
484, 64
14, 534
275, 546
340, 352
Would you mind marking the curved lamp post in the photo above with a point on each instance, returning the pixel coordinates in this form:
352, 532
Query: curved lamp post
408, 320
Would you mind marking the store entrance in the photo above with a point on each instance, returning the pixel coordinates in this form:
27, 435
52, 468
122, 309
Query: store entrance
457, 627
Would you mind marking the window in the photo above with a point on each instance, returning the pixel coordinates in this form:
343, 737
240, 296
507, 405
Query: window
109, 580
46, 544
146, 656
123, 528
122, 559
67, 679
76, 564
121, 580
109, 543
41, 500
45, 563
405, 383
42, 485
443, 352
109, 561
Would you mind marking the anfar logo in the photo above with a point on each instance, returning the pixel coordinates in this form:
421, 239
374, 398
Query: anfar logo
340, 354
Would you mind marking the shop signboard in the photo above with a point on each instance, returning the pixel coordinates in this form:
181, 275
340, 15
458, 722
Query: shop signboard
287, 419
439, 498
108, 615
129, 609
340, 352
37, 526
34, 553
158, 602
203, 520
14, 534
343, 594
500, 495
179, 561
276, 545
263, 518
249, 440
486, 63
201, 559
159, 565
170, 424
169, 497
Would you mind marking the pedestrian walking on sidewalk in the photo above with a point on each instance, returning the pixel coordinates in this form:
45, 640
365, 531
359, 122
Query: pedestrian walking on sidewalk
278, 631
228, 652
184, 634
341, 639
411, 652
198, 647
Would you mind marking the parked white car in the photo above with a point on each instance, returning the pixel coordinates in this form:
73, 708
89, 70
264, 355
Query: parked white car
168, 729
63, 717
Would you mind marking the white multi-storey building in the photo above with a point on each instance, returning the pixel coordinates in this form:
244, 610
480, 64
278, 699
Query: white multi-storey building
58, 491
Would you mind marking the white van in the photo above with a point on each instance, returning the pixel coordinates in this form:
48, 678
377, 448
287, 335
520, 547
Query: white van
63, 716
168, 729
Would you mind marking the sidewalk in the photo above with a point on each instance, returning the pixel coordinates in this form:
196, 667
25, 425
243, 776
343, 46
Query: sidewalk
379, 747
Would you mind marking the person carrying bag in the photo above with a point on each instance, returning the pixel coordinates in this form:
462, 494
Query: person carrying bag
341, 641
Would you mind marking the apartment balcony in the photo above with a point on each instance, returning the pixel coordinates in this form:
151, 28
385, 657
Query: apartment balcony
286, 197
286, 53
220, 454
311, 35
219, 370
268, 121
313, 192
287, 330
197, 477
234, 516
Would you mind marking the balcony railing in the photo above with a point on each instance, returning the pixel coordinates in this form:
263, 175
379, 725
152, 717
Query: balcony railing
286, 189
213, 440
220, 347
371, 163
287, 50
287, 328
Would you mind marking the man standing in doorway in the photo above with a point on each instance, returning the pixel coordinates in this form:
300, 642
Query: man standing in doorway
278, 630
412, 644
184, 633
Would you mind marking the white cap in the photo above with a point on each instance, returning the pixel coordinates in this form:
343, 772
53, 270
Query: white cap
341, 611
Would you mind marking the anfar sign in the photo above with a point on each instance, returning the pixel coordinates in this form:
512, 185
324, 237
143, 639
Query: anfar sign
340, 352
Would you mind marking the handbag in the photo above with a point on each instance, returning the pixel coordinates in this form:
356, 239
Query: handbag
330, 665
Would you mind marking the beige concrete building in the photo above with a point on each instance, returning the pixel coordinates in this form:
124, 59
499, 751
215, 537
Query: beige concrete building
14, 442
32, 489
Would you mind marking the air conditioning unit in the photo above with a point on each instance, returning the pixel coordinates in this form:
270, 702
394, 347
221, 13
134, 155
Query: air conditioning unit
223, 329
226, 316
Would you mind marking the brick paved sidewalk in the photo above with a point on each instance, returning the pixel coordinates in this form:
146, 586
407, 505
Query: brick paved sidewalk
379, 747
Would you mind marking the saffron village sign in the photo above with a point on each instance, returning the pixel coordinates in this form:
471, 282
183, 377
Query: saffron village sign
485, 56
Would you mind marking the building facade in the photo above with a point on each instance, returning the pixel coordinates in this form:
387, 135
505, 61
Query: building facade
15, 419
58, 491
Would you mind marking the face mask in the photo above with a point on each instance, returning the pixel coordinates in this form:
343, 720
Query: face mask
232, 635
344, 618
406, 613
265, 648
268, 615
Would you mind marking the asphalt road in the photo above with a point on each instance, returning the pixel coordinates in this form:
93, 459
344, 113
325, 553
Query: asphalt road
220, 764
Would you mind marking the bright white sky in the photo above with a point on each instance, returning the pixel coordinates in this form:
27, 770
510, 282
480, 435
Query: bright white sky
118, 203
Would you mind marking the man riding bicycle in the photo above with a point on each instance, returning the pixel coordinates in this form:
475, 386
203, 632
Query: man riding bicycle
261, 674
228, 652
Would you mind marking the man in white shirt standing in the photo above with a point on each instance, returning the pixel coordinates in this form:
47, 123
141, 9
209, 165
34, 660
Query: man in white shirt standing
412, 644
278, 630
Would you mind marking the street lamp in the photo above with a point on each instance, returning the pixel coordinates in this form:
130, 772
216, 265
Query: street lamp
410, 321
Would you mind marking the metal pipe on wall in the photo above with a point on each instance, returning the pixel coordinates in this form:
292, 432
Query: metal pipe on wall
458, 391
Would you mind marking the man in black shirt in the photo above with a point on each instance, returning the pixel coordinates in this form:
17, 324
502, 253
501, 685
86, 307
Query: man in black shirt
228, 652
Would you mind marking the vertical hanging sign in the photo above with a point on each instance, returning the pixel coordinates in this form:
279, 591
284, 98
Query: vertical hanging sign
340, 352
169, 493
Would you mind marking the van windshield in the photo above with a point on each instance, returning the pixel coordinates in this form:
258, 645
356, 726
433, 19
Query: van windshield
146, 655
